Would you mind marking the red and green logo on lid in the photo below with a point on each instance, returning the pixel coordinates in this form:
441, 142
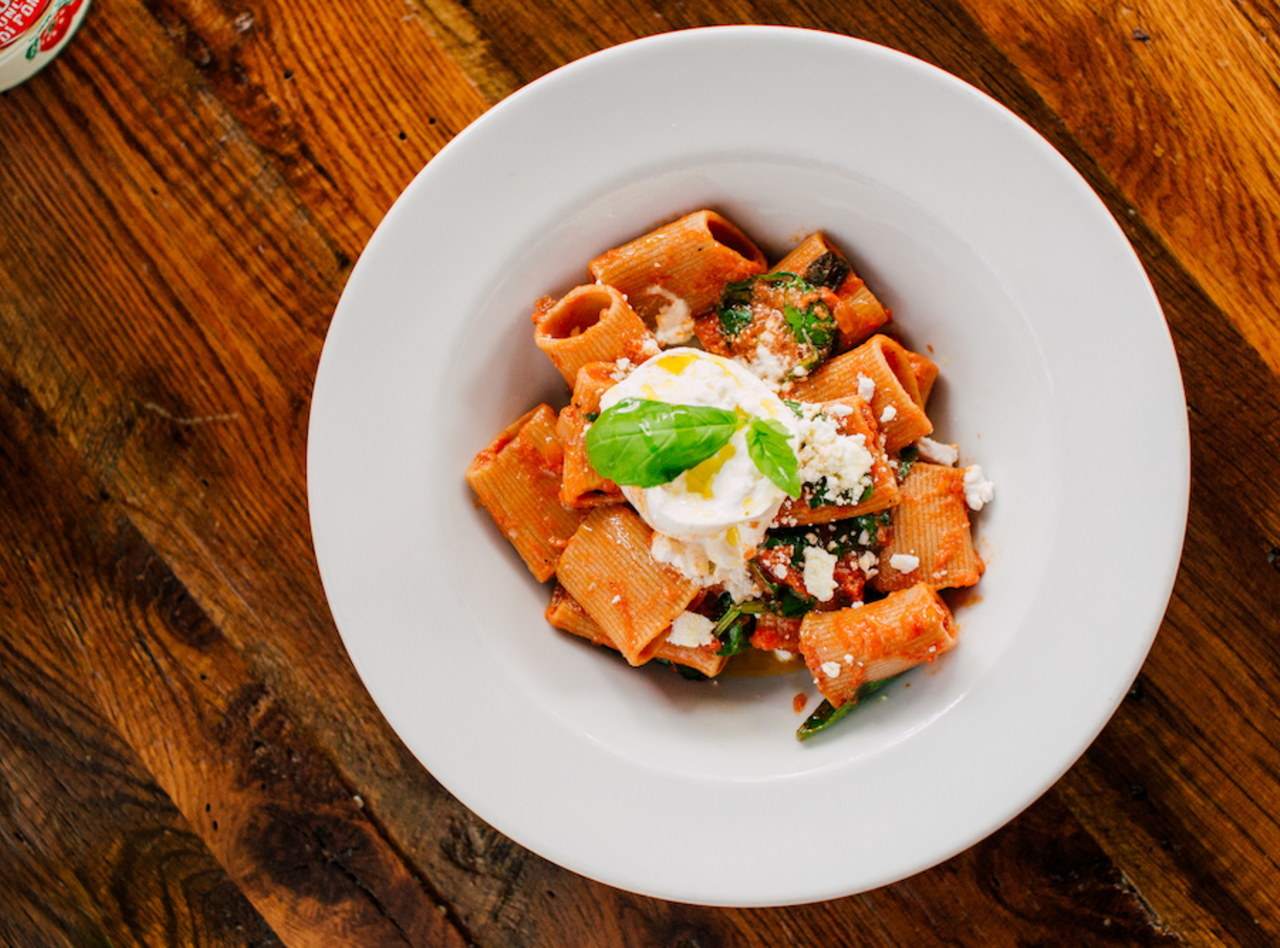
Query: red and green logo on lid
18, 16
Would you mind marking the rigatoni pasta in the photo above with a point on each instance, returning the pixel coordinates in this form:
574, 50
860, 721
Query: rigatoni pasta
517, 479
590, 323
582, 485
680, 269
743, 465
606, 566
895, 388
848, 648
931, 540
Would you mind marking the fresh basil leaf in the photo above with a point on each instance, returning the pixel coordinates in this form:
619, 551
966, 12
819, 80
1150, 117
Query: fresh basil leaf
643, 443
770, 450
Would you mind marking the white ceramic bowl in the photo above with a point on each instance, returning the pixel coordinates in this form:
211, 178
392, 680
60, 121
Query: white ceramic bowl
1058, 376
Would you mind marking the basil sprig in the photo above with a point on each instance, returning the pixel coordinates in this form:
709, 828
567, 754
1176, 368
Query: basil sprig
769, 449
644, 443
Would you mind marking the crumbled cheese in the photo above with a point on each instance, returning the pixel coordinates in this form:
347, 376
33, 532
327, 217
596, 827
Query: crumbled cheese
780, 570
978, 491
888, 414
864, 538
819, 573
674, 322
616, 599
691, 630
782, 655
843, 460
856, 604
866, 387
904, 562
838, 410
936, 452
621, 369
848, 659
868, 562
831, 669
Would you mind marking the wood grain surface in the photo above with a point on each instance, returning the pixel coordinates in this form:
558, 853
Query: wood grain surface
187, 756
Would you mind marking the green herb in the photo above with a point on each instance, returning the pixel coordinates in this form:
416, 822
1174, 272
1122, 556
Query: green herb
791, 541
813, 326
764, 581
735, 310
871, 524
736, 640
822, 495
827, 715
797, 408
906, 458
732, 630
735, 307
792, 605
735, 319
646, 443
819, 497
592, 415
769, 448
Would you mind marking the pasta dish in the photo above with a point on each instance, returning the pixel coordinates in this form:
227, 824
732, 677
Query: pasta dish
743, 468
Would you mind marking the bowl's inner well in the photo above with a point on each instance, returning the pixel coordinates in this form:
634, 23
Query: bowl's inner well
992, 398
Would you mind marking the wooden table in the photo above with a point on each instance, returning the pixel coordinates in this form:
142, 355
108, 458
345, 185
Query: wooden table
186, 754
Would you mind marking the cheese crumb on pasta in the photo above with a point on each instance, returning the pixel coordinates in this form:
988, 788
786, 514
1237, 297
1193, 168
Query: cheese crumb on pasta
691, 630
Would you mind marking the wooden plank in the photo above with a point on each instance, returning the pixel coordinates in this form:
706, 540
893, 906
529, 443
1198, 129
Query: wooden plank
170, 323
1191, 133
92, 852
345, 106
110, 621
226, 272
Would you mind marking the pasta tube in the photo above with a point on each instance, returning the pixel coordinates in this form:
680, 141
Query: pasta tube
848, 647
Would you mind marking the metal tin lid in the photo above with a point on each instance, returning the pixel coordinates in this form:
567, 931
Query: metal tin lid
17, 17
